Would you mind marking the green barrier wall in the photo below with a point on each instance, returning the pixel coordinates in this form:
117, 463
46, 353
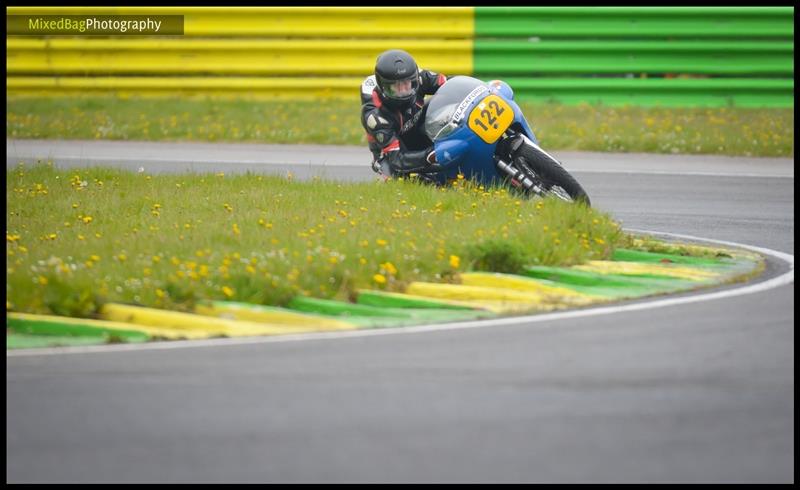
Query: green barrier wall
689, 56
670, 56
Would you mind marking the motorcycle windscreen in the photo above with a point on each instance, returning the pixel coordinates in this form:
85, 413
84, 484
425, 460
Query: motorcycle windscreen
446, 107
490, 119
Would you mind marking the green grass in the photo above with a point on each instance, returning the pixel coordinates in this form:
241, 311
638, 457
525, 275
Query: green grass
76, 239
723, 131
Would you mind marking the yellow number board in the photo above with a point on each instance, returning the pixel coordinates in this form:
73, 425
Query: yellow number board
491, 118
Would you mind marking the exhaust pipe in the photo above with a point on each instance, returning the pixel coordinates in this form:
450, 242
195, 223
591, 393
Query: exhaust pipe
518, 175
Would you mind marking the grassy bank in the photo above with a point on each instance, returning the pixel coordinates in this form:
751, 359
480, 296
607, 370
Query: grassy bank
723, 131
75, 239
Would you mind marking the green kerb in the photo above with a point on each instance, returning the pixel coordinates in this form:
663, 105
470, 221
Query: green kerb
23, 341
55, 328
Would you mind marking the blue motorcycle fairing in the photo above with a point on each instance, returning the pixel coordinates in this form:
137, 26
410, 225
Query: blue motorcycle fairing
452, 150
502, 88
463, 152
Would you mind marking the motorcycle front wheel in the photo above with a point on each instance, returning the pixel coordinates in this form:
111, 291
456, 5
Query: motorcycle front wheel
554, 178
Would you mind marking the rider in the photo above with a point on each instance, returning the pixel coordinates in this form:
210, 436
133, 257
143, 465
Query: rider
392, 113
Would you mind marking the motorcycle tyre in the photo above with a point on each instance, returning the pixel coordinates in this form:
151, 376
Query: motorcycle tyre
552, 173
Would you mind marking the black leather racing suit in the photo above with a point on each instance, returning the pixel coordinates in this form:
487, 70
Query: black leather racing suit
395, 134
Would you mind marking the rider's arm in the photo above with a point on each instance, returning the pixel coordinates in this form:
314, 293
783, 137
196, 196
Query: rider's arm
431, 81
384, 140
402, 161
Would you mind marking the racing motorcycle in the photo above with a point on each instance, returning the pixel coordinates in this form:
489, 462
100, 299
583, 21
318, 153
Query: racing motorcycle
478, 131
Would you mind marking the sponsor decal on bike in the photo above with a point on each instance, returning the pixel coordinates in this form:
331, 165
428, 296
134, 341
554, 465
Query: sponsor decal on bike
458, 115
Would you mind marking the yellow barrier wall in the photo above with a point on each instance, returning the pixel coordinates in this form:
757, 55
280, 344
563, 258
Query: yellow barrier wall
256, 51
298, 22
222, 56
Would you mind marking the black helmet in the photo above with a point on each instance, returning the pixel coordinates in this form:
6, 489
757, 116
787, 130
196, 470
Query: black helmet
394, 69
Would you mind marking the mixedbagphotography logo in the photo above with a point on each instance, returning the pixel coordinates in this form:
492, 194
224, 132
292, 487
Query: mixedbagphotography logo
98, 25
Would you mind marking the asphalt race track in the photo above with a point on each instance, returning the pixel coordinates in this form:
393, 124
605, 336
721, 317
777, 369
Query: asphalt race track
695, 392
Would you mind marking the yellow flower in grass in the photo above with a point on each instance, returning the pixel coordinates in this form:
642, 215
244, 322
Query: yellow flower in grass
389, 268
228, 292
379, 278
455, 261
381, 242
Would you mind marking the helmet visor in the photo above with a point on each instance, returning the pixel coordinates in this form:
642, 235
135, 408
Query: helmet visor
402, 89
